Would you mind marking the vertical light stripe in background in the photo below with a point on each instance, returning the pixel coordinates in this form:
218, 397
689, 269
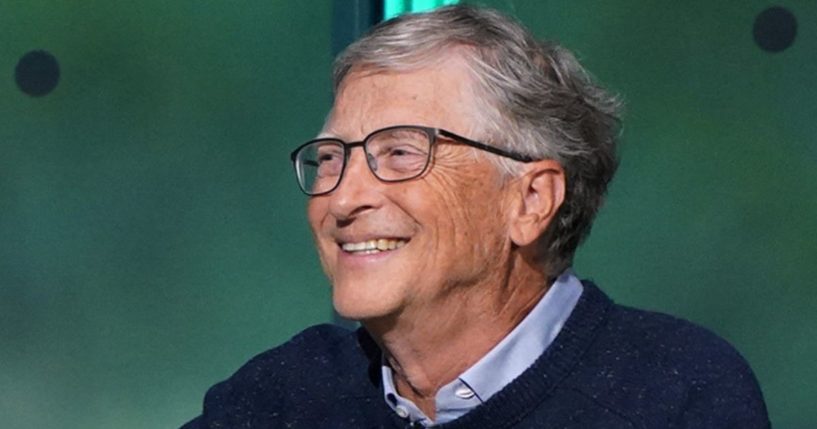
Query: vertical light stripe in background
392, 8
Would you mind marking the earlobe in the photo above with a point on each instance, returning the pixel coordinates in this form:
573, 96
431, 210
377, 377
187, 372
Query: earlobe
540, 194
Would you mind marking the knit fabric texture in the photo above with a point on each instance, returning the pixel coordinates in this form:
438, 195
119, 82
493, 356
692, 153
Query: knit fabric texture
610, 367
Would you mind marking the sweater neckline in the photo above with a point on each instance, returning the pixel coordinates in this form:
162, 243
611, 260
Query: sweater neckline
537, 382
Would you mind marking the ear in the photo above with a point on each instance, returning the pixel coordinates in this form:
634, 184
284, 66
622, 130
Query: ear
540, 193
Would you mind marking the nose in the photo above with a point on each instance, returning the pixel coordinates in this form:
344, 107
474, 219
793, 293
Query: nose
358, 191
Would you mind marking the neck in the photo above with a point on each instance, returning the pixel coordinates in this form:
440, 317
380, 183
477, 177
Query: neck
429, 347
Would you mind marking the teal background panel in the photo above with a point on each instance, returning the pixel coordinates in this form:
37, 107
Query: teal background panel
152, 237
151, 231
713, 214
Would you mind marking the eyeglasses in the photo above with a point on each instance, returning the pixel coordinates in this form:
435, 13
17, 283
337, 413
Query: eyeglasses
393, 154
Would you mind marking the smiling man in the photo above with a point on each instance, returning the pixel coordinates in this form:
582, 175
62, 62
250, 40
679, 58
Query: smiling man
461, 165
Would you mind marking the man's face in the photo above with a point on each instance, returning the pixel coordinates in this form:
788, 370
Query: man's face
444, 233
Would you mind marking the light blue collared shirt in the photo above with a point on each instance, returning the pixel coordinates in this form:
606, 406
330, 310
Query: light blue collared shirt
506, 361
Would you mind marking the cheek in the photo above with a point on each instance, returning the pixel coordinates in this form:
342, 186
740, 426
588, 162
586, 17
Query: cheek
470, 216
478, 223
316, 212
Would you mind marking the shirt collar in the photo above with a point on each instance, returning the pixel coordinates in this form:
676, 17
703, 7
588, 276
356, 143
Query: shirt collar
502, 364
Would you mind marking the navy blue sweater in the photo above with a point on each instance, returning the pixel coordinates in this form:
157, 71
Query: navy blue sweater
609, 367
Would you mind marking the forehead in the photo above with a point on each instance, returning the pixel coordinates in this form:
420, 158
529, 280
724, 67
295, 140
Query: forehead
438, 96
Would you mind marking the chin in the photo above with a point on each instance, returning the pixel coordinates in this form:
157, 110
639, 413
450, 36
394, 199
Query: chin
357, 302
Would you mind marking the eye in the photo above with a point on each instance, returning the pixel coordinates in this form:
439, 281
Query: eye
326, 157
328, 154
403, 150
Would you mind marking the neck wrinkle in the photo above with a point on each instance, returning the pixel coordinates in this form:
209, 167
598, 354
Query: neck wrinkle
429, 354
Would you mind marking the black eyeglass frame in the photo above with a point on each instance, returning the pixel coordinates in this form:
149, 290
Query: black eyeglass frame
432, 133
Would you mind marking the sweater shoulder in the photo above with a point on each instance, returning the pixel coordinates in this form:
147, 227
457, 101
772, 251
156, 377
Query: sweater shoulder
316, 379
662, 370
317, 350
641, 337
317, 374
669, 341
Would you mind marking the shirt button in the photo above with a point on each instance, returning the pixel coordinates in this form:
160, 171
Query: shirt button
464, 393
401, 411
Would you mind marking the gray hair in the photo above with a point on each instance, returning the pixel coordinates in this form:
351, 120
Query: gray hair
532, 97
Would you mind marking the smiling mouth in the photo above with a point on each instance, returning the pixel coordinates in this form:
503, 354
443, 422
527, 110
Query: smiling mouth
371, 247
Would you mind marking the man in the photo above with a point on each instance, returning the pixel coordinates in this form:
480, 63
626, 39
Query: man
461, 165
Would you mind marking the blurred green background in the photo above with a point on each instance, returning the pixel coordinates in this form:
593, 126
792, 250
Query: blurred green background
152, 237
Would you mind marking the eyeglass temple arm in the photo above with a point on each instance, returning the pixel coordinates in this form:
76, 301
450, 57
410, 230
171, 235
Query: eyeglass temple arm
495, 150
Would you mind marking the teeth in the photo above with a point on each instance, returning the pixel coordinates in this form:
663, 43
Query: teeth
373, 246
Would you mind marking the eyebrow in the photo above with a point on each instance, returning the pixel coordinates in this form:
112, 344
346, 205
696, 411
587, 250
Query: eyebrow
329, 133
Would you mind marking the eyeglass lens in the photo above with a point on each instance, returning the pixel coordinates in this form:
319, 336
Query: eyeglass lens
392, 155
